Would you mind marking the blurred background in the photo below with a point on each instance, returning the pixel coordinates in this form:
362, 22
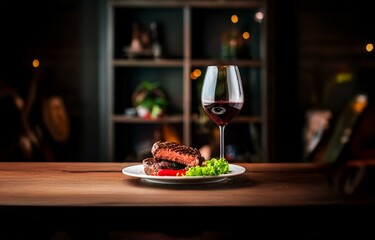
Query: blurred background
74, 72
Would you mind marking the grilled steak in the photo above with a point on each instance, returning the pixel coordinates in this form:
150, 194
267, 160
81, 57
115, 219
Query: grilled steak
152, 166
178, 153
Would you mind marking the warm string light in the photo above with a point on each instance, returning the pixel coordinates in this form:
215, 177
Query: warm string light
369, 47
36, 63
234, 19
246, 35
195, 74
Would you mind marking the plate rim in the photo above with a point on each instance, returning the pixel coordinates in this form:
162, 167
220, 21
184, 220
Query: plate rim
239, 170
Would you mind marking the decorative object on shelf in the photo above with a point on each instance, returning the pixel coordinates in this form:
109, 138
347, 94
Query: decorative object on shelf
181, 39
145, 41
155, 40
233, 44
130, 112
149, 100
229, 45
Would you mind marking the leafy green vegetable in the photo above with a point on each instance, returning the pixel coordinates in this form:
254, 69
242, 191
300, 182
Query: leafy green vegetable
212, 167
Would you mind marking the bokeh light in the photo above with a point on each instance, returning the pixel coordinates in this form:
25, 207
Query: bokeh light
234, 18
259, 16
246, 35
35, 63
369, 47
195, 74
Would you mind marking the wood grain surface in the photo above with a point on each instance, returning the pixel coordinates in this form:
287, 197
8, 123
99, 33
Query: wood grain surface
104, 184
96, 199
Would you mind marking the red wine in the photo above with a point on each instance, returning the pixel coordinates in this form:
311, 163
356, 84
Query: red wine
222, 112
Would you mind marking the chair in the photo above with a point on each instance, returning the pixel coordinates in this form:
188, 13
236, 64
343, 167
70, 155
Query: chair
349, 149
333, 141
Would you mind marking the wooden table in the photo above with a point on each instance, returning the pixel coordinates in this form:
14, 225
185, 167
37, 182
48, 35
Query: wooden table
99, 196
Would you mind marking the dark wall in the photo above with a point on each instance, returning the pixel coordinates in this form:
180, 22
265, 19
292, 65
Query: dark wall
63, 36
310, 41
284, 113
320, 62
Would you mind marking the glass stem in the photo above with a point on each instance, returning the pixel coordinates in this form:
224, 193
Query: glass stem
222, 154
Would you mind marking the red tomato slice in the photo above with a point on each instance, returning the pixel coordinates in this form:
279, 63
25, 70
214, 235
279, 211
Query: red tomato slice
171, 172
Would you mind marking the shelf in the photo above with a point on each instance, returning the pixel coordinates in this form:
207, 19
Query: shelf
165, 119
191, 3
238, 119
179, 63
147, 63
179, 119
193, 34
240, 63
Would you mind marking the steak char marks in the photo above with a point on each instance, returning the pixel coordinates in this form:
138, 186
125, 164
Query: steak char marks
152, 166
171, 155
178, 153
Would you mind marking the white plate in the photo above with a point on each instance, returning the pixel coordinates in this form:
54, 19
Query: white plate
138, 171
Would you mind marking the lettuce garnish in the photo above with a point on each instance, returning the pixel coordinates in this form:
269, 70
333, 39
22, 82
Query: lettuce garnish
212, 167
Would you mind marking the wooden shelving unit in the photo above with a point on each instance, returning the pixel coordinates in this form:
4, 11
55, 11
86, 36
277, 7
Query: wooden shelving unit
191, 35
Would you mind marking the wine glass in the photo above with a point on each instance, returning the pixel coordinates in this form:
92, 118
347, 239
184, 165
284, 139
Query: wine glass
222, 96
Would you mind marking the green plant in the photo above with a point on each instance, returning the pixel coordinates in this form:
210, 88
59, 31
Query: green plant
150, 96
